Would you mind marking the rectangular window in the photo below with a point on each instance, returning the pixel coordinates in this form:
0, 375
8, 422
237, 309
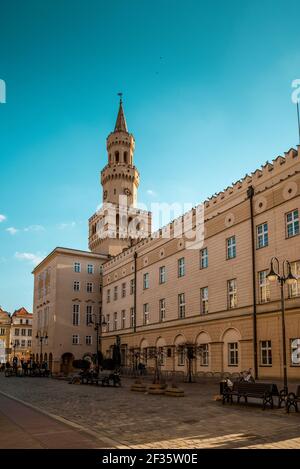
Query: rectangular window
131, 317
123, 290
146, 313
204, 300
204, 357
76, 285
181, 305
89, 315
132, 286
29, 343
76, 315
115, 321
17, 331
232, 293
23, 332
107, 323
161, 356
23, 343
88, 340
77, 267
89, 287
262, 236
123, 313
162, 274
90, 269
233, 354
294, 289
203, 258
265, 352
108, 296
231, 247
292, 223
29, 332
295, 352
17, 343
162, 309
181, 356
75, 339
181, 267
264, 287
115, 292
2, 331
146, 281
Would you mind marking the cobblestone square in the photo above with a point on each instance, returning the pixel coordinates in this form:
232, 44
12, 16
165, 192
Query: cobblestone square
120, 418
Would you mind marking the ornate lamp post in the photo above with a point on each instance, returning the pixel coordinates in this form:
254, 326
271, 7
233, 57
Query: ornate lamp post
98, 324
286, 278
41, 337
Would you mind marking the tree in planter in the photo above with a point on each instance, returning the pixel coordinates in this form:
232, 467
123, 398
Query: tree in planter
156, 353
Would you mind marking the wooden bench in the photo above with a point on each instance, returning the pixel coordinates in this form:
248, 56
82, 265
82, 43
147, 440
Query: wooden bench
292, 400
243, 390
105, 378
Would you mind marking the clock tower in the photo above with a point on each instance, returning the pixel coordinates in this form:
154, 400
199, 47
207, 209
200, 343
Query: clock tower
120, 181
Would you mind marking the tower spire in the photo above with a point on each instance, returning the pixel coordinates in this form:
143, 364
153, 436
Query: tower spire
121, 125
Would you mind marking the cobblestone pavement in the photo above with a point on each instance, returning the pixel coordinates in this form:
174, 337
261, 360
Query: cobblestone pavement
127, 419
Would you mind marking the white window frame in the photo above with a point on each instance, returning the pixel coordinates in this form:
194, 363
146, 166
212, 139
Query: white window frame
115, 321
76, 285
89, 315
181, 267
131, 317
88, 340
90, 268
293, 223
204, 258
204, 300
262, 235
76, 315
263, 286
265, 352
294, 289
233, 352
204, 354
146, 281
162, 309
89, 287
77, 267
232, 293
123, 289
146, 314
181, 305
115, 292
231, 247
75, 339
132, 286
123, 316
162, 274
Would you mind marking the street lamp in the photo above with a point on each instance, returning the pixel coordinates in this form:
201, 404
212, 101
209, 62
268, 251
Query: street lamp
286, 278
41, 338
98, 328
14, 347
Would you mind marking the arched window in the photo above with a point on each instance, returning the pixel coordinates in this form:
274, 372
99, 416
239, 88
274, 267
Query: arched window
117, 157
125, 157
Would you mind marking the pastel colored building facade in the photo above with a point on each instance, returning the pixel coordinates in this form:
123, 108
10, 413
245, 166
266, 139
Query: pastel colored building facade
21, 334
158, 293
5, 323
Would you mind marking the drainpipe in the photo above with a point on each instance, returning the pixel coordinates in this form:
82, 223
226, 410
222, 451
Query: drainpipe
250, 194
135, 288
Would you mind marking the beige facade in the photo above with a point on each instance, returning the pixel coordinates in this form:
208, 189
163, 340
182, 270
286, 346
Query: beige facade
226, 332
157, 292
67, 302
21, 334
5, 323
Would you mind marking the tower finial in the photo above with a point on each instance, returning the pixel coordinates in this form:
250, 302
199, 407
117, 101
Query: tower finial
121, 121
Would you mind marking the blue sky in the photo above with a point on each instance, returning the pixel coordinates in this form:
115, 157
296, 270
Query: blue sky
207, 95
